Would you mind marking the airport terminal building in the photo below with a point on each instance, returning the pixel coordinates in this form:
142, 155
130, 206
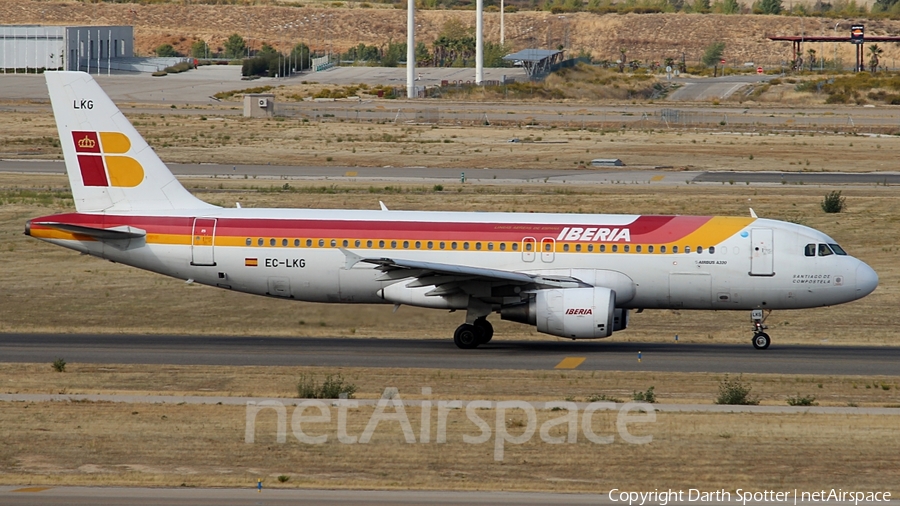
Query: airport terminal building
94, 49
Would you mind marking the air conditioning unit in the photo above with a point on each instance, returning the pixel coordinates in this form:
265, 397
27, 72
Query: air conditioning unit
264, 102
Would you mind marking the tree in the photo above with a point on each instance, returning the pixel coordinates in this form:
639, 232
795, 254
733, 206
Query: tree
300, 54
235, 46
712, 54
812, 58
770, 6
731, 7
874, 52
165, 50
200, 49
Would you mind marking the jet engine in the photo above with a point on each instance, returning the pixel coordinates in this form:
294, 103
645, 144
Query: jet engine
575, 313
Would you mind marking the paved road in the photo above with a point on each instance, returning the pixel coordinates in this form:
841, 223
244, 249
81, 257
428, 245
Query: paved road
715, 88
496, 176
442, 354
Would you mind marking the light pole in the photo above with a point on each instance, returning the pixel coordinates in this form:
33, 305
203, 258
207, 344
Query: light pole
835, 44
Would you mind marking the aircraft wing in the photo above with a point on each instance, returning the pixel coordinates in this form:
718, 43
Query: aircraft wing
441, 275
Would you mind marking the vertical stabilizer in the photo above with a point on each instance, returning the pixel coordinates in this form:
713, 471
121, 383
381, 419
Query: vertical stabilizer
110, 166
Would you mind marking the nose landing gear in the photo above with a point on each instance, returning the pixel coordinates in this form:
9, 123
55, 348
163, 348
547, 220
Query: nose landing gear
761, 340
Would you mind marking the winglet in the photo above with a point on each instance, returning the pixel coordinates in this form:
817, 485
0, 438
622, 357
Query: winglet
383, 207
753, 213
351, 258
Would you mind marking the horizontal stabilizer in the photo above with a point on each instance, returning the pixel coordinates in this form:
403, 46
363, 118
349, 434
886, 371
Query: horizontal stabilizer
101, 234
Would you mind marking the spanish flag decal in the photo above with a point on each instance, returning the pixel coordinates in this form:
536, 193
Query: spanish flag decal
251, 262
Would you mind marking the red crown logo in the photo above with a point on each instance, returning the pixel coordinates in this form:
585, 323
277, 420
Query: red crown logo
86, 143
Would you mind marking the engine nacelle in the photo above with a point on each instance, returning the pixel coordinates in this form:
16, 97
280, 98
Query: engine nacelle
575, 313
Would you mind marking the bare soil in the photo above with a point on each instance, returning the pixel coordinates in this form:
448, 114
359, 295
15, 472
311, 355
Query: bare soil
646, 37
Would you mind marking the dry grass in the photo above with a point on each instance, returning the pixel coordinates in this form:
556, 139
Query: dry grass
172, 445
89, 295
188, 138
446, 384
87, 443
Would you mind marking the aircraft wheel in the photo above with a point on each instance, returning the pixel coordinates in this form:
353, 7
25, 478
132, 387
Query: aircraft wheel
485, 330
466, 336
761, 340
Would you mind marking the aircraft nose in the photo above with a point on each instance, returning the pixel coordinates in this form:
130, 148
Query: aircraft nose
866, 280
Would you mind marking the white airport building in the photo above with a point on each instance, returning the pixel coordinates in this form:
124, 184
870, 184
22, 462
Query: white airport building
94, 49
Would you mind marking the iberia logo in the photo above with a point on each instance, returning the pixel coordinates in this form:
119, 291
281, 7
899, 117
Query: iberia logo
101, 162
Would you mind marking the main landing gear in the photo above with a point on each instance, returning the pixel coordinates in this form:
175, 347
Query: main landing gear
472, 335
761, 340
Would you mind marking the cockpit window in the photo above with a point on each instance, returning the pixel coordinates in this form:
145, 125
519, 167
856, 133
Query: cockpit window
838, 250
824, 250
810, 250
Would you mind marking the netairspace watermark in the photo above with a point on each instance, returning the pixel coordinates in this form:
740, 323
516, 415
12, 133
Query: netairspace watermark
301, 422
745, 497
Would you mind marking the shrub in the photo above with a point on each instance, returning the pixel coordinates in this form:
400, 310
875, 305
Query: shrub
833, 202
806, 400
283, 478
59, 365
735, 392
438, 187
604, 397
332, 388
647, 396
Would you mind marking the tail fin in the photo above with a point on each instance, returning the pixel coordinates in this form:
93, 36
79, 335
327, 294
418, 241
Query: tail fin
110, 166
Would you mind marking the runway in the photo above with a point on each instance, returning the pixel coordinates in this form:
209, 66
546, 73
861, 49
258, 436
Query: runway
646, 175
607, 355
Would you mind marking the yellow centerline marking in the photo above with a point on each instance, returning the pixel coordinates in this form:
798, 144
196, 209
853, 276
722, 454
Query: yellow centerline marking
570, 363
32, 489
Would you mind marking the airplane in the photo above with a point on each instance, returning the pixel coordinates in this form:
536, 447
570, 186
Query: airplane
576, 276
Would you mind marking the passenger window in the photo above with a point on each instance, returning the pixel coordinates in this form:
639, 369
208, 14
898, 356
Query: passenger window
357, 243
249, 242
674, 249
321, 242
662, 249
637, 248
502, 246
602, 248
650, 249
333, 243
308, 243
490, 246
578, 247
430, 245
418, 244
346, 243
515, 246
393, 244
465, 245
369, 244
627, 248
453, 245
615, 248
284, 242
687, 249
824, 250
478, 245
296, 243
271, 242
565, 247
810, 250
590, 247
442, 245
527, 246
838, 250
405, 244
380, 244
547, 247
699, 249
712, 249
259, 242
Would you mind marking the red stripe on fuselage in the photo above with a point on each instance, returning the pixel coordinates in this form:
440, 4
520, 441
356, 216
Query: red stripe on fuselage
645, 229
